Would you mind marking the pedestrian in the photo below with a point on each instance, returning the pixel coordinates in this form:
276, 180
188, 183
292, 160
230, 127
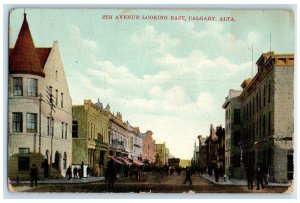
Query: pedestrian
69, 173
188, 176
259, 178
217, 173
110, 174
97, 171
221, 172
33, 175
266, 174
87, 171
250, 177
75, 172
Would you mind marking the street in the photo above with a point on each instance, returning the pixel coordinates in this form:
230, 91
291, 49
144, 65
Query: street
150, 183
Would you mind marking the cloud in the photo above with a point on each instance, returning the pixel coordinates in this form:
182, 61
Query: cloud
75, 33
215, 39
150, 36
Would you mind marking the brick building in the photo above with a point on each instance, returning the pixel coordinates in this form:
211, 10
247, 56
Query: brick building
267, 115
39, 110
148, 147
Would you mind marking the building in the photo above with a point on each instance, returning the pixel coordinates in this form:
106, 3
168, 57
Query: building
195, 159
161, 155
148, 147
215, 148
184, 163
90, 135
168, 155
202, 156
118, 136
267, 115
135, 143
39, 110
233, 152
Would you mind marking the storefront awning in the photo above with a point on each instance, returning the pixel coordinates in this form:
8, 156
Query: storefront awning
115, 159
137, 162
127, 162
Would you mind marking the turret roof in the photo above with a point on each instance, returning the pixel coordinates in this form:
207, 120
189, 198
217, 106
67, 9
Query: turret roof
24, 58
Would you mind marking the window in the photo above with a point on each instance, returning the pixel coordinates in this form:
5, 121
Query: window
257, 102
62, 100
260, 100
56, 75
250, 109
74, 129
269, 124
91, 135
65, 161
290, 167
264, 95
24, 150
48, 125
264, 126
56, 97
253, 104
31, 124
62, 130
17, 122
260, 127
66, 131
32, 87
52, 127
18, 86
23, 163
236, 117
269, 98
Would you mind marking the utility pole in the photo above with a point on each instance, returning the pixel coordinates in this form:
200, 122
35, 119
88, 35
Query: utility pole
40, 121
50, 97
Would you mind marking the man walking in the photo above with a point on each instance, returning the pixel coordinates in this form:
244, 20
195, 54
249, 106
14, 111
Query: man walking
250, 175
110, 174
259, 178
33, 175
188, 176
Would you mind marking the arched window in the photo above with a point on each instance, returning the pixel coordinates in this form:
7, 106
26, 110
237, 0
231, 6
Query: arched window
56, 161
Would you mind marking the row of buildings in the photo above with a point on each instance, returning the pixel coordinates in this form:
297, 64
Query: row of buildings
46, 130
259, 122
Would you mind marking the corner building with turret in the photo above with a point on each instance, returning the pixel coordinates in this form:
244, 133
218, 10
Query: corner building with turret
39, 110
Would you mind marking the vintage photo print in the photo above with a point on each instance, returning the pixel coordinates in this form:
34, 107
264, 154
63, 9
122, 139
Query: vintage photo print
150, 101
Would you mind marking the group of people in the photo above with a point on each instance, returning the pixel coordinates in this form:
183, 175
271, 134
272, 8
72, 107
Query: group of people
261, 175
78, 172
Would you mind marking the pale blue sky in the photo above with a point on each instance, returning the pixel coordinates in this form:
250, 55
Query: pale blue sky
168, 76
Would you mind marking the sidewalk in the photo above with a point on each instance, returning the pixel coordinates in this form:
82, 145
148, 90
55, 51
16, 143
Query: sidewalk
233, 181
63, 181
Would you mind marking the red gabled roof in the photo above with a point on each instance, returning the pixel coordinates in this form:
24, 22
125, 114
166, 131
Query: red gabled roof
24, 58
43, 54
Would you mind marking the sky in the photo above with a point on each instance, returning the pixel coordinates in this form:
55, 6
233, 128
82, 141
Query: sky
167, 76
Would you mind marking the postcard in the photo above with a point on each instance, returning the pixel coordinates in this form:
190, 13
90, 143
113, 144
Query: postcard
150, 101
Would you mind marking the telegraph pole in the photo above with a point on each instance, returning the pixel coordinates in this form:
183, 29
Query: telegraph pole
40, 121
50, 96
